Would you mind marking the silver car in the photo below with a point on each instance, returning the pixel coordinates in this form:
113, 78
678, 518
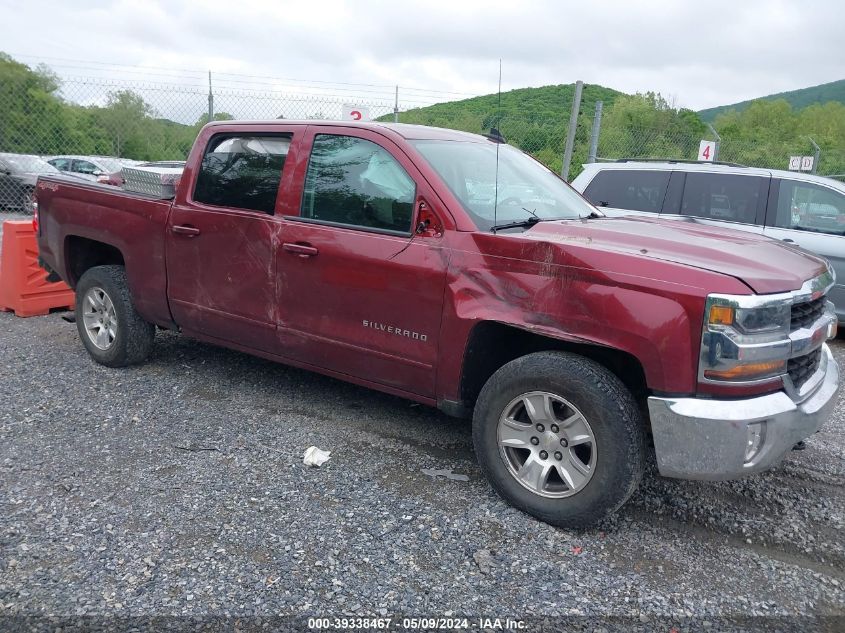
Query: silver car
799, 208
18, 175
90, 167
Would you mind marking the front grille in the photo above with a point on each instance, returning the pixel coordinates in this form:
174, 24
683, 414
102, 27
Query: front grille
801, 368
804, 314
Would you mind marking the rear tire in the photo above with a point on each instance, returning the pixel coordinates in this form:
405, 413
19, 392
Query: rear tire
111, 330
559, 437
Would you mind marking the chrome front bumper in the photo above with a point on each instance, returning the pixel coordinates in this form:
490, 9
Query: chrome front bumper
697, 438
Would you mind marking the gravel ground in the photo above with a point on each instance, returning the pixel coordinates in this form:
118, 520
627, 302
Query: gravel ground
177, 489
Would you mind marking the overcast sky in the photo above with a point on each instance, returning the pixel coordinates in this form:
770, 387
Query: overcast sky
697, 54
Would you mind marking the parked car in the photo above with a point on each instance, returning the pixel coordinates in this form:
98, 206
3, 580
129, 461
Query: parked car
359, 251
116, 178
18, 173
90, 167
797, 208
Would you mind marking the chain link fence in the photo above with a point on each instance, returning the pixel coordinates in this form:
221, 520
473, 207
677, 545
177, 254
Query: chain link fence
656, 143
82, 124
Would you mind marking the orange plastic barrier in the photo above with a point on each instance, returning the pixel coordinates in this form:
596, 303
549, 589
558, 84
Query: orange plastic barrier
24, 288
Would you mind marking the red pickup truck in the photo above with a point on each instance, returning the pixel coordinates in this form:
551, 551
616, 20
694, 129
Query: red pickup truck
454, 270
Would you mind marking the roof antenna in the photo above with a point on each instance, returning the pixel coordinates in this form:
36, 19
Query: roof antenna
495, 135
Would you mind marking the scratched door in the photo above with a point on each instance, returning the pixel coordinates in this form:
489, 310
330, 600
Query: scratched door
221, 240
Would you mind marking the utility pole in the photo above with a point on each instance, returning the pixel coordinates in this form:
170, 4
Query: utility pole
210, 100
718, 142
573, 124
594, 135
396, 106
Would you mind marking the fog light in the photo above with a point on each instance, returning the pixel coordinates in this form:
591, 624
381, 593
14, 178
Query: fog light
756, 437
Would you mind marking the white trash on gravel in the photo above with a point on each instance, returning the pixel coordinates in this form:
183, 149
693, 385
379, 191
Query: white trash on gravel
444, 472
315, 457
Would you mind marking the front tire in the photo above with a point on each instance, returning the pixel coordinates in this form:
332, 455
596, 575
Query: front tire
111, 330
559, 437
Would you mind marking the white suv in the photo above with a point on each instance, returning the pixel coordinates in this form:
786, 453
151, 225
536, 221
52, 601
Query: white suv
803, 209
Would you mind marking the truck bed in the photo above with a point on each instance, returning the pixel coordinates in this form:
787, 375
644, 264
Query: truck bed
73, 213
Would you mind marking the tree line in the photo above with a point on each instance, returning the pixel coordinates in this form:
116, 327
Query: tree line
35, 119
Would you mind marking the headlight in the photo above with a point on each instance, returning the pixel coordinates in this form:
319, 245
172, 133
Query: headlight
751, 320
750, 338
744, 343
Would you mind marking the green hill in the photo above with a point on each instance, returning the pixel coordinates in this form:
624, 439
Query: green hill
833, 91
534, 119
525, 103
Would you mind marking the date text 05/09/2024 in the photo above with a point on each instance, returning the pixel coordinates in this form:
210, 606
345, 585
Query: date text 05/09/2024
418, 624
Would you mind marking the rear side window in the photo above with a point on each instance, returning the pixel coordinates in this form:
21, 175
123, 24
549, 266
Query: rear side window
355, 182
242, 172
808, 207
722, 197
634, 189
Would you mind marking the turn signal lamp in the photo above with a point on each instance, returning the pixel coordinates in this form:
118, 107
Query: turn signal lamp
721, 315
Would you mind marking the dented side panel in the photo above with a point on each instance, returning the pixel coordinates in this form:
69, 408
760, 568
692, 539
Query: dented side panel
571, 292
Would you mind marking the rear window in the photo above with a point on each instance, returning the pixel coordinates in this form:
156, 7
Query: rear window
634, 189
242, 172
722, 197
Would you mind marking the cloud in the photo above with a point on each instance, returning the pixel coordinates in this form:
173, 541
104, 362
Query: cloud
701, 54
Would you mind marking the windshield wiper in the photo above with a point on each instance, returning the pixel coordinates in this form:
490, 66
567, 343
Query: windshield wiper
527, 222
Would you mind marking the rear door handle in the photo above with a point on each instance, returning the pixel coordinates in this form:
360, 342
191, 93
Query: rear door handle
303, 250
185, 229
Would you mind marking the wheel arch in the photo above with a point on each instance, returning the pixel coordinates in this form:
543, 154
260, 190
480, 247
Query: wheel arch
492, 344
82, 253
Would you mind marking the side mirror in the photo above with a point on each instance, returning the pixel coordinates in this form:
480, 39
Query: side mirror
98, 172
428, 224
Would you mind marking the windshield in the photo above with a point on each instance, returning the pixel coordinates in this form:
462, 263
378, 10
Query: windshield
29, 164
525, 188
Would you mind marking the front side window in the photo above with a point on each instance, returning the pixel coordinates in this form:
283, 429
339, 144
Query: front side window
727, 197
633, 189
242, 172
808, 207
355, 182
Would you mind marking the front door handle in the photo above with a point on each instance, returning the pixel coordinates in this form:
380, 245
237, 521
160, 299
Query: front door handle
303, 250
185, 229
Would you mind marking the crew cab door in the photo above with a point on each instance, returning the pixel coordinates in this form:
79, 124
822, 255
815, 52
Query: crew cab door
221, 238
812, 216
360, 290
